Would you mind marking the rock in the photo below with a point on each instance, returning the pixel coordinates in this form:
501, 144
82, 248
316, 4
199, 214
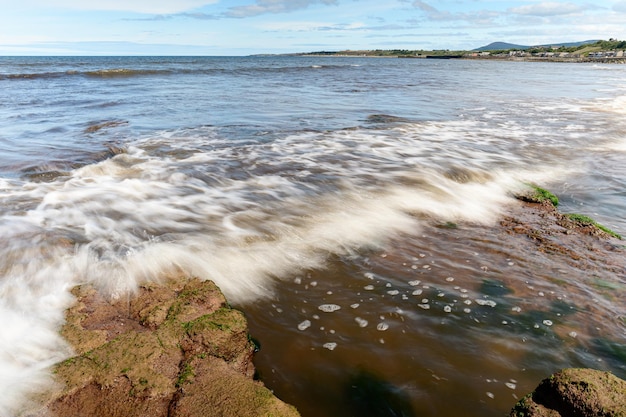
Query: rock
583, 246
575, 393
175, 349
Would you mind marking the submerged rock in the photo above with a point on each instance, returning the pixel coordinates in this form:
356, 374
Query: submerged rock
175, 349
575, 393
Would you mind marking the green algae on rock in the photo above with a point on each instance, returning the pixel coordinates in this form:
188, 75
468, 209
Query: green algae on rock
585, 220
536, 194
175, 349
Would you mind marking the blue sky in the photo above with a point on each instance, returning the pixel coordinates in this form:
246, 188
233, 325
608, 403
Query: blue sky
242, 27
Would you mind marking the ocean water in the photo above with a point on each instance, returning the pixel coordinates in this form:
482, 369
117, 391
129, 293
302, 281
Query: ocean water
313, 191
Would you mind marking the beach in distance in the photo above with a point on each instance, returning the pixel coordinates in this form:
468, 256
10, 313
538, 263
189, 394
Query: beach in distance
363, 214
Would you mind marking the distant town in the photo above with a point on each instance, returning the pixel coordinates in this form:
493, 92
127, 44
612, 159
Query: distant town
611, 51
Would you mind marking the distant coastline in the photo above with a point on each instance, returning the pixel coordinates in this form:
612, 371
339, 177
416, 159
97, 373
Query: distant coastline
612, 51
604, 60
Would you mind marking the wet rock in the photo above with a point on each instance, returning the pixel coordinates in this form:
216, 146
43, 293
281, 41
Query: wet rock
385, 118
174, 349
575, 393
584, 246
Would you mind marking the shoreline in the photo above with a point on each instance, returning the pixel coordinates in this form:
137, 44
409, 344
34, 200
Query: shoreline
619, 61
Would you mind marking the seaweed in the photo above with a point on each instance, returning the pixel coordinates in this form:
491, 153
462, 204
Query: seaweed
537, 194
585, 220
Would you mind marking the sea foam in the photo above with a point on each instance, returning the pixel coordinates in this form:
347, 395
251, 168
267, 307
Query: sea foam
244, 217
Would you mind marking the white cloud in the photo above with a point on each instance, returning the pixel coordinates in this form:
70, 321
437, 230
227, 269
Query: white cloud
292, 26
424, 6
138, 6
478, 18
303, 26
274, 6
548, 9
620, 6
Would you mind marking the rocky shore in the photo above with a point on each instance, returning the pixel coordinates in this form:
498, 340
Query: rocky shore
575, 393
589, 246
175, 349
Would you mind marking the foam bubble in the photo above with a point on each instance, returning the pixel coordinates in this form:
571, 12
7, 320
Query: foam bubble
483, 302
361, 322
382, 326
304, 325
329, 308
330, 345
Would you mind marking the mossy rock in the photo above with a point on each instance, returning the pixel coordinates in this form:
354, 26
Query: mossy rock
575, 393
536, 194
175, 349
588, 221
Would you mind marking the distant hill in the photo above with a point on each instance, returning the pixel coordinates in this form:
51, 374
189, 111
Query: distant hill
498, 46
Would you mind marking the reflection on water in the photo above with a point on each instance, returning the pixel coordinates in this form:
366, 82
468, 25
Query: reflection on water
456, 321
369, 395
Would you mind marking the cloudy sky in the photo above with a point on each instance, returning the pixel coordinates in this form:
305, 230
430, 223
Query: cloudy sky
242, 27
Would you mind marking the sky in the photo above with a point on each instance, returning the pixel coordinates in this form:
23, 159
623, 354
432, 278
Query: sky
245, 27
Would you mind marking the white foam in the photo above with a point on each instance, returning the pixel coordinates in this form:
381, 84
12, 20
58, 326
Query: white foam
617, 105
361, 322
134, 217
382, 326
330, 345
483, 302
329, 308
304, 325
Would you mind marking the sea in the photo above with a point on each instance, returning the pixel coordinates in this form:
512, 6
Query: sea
349, 206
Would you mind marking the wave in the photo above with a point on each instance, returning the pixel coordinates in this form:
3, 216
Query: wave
103, 73
124, 72
106, 73
244, 215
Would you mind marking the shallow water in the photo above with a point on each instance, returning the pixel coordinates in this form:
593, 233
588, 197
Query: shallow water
300, 183
452, 321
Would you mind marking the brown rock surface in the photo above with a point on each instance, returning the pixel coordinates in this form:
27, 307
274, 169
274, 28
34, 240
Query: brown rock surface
175, 349
586, 246
575, 393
